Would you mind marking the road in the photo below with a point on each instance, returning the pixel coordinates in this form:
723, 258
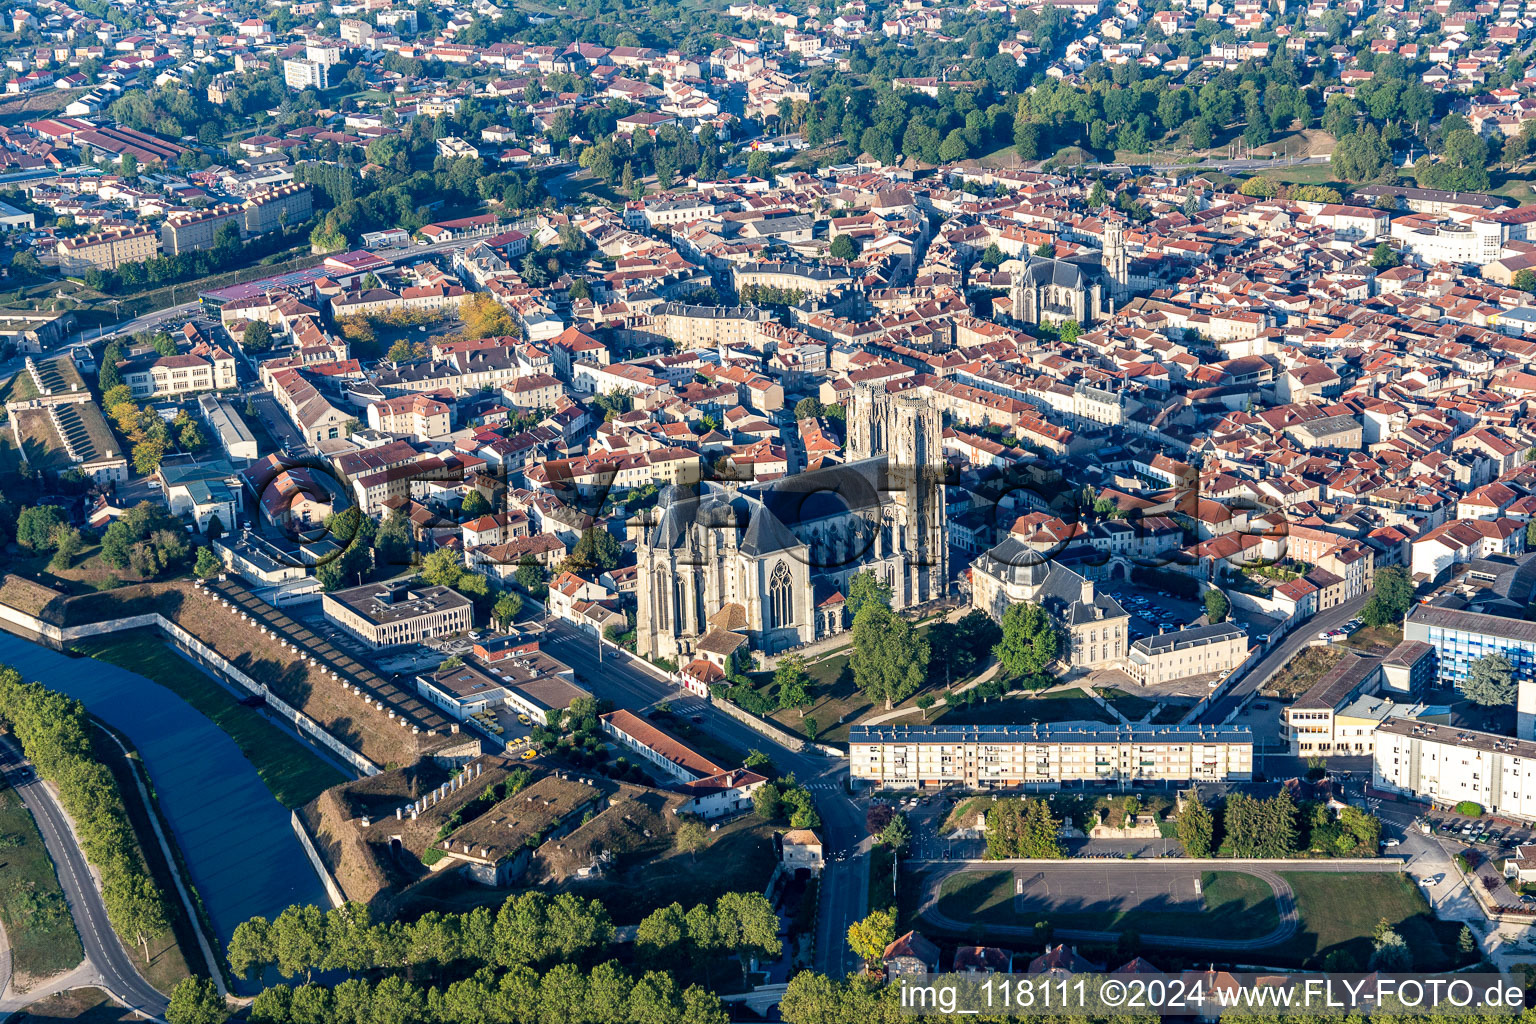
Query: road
153, 320
1279, 657
103, 950
845, 879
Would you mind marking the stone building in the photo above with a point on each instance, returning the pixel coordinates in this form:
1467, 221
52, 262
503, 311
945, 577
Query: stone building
772, 561
1011, 572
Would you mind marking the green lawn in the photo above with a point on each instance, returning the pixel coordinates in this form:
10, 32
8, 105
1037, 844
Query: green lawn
1340, 911
294, 773
37, 922
1128, 704
168, 949
1304, 174
1234, 903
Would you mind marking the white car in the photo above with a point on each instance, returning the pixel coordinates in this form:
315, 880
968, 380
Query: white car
1389, 843
1325, 635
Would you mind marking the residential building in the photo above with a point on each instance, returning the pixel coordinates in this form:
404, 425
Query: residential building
1046, 756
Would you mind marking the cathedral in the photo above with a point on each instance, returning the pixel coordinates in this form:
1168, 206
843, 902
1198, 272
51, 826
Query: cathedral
1044, 290
769, 564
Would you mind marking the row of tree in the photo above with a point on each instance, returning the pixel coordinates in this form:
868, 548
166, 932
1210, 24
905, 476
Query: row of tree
531, 928
740, 923
565, 993
54, 733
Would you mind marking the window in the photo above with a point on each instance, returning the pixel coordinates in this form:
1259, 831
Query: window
781, 598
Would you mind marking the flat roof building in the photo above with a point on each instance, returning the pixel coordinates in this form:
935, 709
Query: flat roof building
1046, 756
381, 614
1444, 765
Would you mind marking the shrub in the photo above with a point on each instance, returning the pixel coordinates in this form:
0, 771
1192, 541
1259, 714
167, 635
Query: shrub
1470, 809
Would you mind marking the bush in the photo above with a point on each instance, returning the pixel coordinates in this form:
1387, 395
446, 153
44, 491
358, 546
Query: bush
1470, 809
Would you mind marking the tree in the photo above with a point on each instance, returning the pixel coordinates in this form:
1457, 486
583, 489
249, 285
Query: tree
842, 248
1390, 950
67, 544
1098, 196
257, 337
793, 684
924, 702
1260, 187
691, 835
1216, 606
897, 835
147, 456
1196, 829
208, 564
890, 658
660, 937
1046, 249
392, 543
37, 527
864, 587
507, 608
196, 1001
1384, 257
1525, 280
442, 568
869, 938
1490, 682
484, 317
597, 549
1023, 828
808, 408
1391, 597
1030, 640
474, 505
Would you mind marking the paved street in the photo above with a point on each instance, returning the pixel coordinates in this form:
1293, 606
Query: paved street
845, 881
112, 968
1279, 657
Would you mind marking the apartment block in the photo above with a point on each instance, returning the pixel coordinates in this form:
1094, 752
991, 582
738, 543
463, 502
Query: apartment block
306, 74
1046, 756
108, 250
1444, 765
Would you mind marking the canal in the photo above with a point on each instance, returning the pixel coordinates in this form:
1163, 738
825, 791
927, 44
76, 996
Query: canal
236, 839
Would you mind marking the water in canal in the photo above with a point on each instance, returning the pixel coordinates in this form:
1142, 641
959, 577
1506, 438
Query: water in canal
236, 839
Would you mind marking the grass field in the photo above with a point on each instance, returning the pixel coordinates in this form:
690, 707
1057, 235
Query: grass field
1235, 903
293, 773
37, 922
168, 951
1128, 704
1306, 174
1340, 912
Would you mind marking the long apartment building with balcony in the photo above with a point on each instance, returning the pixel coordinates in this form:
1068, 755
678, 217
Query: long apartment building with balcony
1046, 755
